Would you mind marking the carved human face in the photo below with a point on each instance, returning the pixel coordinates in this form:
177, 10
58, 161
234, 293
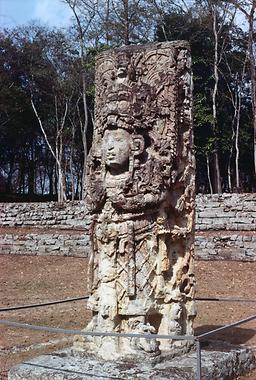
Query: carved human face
116, 148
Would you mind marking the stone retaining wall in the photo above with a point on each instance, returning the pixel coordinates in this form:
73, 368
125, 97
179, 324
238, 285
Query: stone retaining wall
44, 229
232, 212
42, 215
225, 228
53, 241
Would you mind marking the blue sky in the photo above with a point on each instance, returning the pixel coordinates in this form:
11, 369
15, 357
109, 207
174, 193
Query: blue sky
19, 12
51, 12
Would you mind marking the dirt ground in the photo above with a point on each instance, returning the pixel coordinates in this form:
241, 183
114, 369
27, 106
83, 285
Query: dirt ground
28, 280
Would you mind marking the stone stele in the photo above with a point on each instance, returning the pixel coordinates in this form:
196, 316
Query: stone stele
140, 192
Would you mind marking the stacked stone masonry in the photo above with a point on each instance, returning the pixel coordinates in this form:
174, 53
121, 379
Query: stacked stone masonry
225, 228
44, 229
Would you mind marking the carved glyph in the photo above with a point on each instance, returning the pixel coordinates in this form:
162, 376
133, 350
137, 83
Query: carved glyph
140, 191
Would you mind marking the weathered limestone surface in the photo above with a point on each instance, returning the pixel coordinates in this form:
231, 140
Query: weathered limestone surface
216, 365
225, 228
140, 192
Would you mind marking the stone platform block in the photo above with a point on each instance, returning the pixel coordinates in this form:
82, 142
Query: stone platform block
69, 365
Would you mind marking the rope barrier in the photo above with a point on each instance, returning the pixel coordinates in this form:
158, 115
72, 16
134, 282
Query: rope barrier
93, 333
125, 335
211, 299
227, 327
12, 308
195, 339
224, 299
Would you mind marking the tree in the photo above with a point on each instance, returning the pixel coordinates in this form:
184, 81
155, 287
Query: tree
248, 9
45, 64
221, 21
88, 9
47, 90
18, 136
196, 27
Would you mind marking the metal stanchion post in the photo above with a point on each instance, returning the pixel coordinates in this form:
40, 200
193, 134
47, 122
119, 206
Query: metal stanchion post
198, 360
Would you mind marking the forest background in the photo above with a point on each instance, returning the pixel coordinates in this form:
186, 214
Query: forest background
47, 91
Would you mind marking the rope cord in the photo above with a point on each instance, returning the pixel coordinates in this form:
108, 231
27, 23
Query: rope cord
211, 299
125, 335
43, 304
93, 333
219, 299
227, 326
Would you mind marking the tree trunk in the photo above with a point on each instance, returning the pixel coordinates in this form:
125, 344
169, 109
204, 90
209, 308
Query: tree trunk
50, 176
31, 171
253, 73
230, 187
8, 185
71, 169
31, 177
237, 134
107, 22
216, 168
58, 149
126, 22
42, 179
21, 188
250, 15
208, 173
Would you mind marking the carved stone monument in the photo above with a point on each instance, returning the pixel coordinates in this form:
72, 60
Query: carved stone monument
141, 195
140, 190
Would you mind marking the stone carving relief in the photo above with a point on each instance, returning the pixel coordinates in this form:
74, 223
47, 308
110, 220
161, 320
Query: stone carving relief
140, 191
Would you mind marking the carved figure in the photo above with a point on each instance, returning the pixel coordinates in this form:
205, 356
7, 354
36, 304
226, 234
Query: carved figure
141, 196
